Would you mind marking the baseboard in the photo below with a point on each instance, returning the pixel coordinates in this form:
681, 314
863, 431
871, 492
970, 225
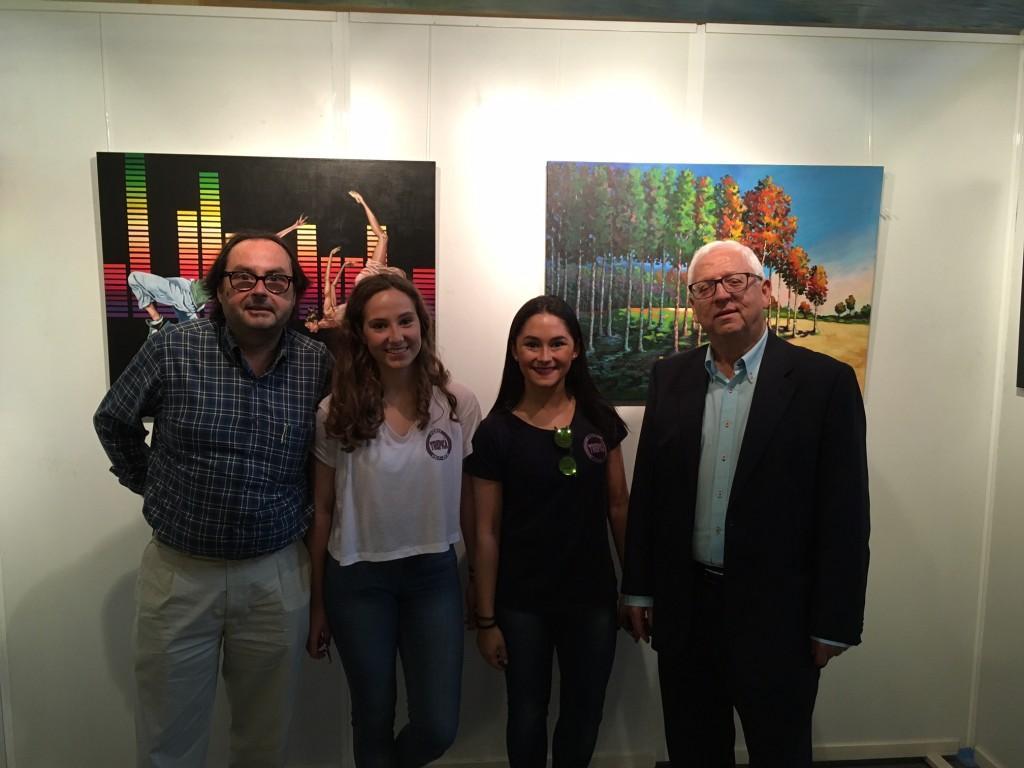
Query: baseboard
984, 760
639, 760
883, 750
930, 750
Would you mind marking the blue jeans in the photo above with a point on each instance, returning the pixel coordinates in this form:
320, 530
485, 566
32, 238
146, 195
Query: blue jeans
584, 638
174, 292
412, 606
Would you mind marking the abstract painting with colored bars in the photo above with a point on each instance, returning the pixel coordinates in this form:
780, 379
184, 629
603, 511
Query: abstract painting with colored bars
164, 219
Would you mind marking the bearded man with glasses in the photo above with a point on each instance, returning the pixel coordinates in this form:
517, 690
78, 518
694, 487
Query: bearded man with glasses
224, 582
752, 465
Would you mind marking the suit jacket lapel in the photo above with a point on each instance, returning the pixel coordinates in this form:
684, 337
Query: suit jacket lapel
685, 394
772, 393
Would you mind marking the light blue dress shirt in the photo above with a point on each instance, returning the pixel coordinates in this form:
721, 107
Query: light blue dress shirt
726, 408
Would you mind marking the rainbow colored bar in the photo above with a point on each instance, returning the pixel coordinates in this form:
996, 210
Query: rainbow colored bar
115, 289
137, 214
305, 237
209, 219
188, 244
371, 239
424, 280
352, 266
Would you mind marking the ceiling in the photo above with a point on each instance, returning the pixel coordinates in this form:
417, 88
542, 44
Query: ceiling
983, 16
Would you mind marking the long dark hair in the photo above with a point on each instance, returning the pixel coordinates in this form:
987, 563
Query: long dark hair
214, 276
357, 394
578, 382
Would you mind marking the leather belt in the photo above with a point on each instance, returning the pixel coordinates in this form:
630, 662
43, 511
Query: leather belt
715, 573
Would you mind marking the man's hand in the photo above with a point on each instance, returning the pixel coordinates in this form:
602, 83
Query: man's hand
822, 652
641, 621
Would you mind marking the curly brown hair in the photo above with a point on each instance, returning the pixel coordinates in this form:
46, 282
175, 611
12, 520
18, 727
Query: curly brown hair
357, 394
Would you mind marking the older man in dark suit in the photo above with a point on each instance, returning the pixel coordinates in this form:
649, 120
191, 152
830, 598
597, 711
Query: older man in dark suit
747, 543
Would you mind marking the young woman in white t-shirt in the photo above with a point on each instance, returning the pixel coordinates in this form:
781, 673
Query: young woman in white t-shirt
389, 505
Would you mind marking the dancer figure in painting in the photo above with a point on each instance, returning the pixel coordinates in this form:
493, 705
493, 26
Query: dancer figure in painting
548, 483
186, 297
375, 265
390, 502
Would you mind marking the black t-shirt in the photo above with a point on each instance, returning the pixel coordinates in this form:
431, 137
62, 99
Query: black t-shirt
554, 529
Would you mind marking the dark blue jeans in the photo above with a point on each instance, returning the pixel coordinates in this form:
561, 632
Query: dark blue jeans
584, 639
412, 607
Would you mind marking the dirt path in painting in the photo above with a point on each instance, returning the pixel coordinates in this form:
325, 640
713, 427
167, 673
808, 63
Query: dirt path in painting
846, 342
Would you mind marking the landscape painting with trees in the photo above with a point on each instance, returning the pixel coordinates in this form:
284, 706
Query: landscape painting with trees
620, 238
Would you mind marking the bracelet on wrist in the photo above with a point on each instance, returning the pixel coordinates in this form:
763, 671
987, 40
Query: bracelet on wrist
492, 625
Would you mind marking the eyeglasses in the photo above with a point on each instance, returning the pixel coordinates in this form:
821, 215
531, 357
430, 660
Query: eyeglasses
563, 439
735, 283
246, 281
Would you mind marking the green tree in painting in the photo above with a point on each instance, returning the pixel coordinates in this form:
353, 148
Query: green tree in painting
657, 204
637, 233
601, 238
622, 213
669, 236
840, 308
557, 175
705, 218
850, 303
682, 213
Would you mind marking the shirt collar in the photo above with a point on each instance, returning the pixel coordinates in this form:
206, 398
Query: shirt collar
747, 366
230, 345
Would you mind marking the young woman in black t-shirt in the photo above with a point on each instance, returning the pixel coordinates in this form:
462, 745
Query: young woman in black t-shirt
548, 481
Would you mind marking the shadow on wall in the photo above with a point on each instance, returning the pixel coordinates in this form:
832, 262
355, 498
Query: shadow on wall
68, 639
71, 637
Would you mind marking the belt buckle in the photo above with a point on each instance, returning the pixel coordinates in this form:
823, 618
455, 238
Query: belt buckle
711, 572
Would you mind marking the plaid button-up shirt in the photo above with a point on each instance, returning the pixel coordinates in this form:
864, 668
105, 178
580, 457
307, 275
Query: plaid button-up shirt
225, 475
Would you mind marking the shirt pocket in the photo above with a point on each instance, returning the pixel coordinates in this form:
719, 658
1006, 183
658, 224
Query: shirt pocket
284, 447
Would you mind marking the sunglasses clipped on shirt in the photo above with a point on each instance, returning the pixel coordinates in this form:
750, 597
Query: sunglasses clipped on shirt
563, 439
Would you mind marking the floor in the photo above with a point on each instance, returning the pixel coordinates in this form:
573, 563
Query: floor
906, 762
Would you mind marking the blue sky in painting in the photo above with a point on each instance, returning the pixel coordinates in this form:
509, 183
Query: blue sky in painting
837, 207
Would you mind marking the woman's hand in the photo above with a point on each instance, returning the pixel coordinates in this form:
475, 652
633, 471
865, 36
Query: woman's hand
318, 643
491, 643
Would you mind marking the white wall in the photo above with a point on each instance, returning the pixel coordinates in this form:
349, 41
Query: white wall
490, 102
1000, 738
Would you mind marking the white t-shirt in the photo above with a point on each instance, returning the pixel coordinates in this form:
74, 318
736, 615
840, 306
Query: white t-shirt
398, 496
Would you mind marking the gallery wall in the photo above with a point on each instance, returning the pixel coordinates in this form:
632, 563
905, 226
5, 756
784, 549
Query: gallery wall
490, 101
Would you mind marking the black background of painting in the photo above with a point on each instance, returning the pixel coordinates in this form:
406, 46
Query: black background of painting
266, 193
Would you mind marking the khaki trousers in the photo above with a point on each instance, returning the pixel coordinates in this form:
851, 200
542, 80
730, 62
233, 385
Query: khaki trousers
190, 610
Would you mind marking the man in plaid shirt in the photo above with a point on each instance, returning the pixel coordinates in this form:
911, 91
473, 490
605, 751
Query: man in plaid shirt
224, 486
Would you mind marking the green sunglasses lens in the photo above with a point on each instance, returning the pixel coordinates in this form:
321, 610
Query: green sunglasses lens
563, 437
567, 466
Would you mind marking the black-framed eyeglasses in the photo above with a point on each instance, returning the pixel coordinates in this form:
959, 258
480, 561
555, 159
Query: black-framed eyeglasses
246, 281
563, 439
735, 283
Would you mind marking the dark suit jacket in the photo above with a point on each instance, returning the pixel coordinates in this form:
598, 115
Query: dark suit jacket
796, 543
